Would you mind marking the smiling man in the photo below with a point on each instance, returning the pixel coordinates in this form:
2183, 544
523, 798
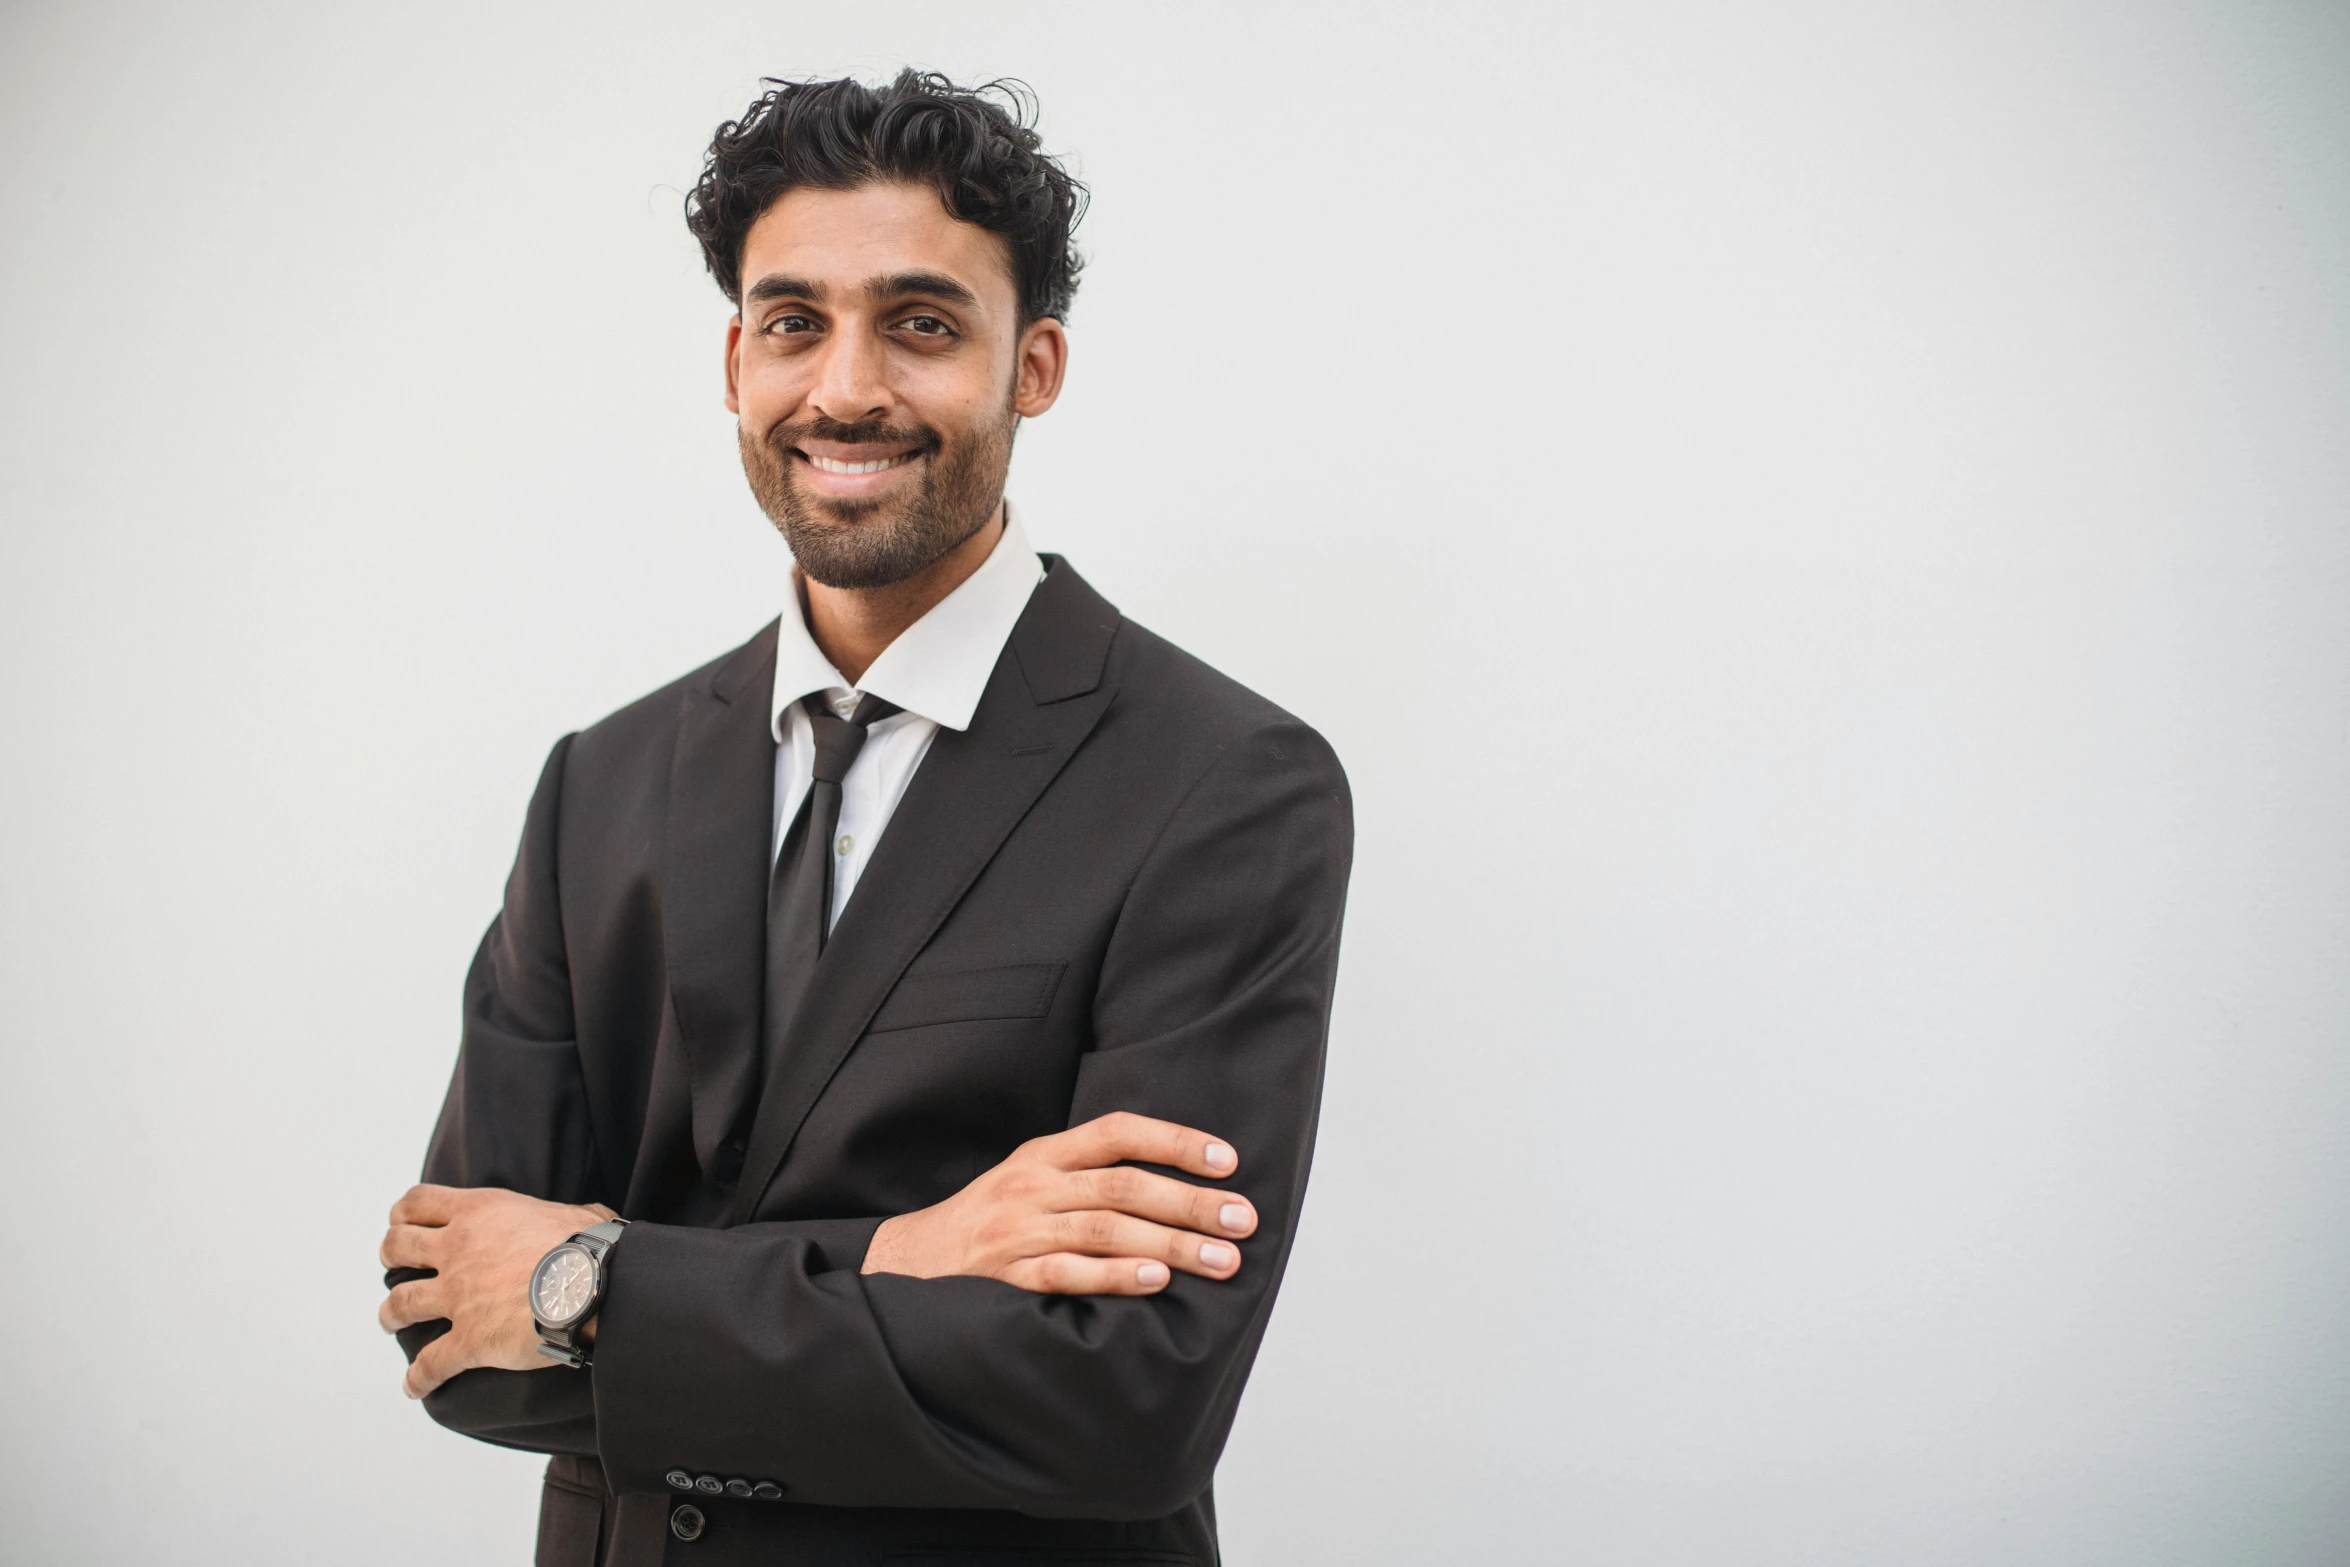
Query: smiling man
885, 1098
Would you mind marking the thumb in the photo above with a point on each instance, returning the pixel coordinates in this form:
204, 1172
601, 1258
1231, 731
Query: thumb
434, 1364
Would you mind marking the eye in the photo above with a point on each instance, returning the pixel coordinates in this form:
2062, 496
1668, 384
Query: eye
791, 322
927, 326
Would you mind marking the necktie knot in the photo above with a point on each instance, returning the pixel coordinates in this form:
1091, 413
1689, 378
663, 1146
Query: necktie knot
838, 740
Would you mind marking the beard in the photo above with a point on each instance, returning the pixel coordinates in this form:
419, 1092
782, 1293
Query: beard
871, 542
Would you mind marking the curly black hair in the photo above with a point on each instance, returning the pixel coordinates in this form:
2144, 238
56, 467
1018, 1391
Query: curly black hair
973, 145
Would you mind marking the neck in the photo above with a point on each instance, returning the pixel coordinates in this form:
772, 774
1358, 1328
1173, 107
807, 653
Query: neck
853, 625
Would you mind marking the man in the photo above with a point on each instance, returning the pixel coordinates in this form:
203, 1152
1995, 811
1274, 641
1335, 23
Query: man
936, 984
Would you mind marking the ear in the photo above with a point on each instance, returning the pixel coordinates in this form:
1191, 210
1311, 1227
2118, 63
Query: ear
734, 343
1043, 360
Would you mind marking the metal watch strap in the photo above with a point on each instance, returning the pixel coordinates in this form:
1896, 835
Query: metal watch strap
563, 1345
601, 1236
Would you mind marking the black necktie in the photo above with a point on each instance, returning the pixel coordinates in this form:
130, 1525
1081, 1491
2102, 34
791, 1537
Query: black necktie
799, 895
799, 901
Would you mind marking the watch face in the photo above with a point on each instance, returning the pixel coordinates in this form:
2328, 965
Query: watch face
563, 1286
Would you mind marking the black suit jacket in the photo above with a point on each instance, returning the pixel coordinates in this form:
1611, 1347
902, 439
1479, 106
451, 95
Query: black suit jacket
1119, 889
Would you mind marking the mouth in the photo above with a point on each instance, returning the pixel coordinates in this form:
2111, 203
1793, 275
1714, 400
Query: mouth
824, 464
853, 472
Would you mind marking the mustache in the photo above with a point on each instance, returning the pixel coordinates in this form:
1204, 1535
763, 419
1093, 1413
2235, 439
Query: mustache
871, 432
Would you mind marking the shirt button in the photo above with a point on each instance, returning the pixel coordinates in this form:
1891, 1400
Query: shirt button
845, 845
679, 1480
687, 1522
846, 706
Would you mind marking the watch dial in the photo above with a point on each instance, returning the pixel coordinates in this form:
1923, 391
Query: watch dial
564, 1283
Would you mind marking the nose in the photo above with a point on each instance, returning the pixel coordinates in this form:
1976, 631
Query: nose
851, 384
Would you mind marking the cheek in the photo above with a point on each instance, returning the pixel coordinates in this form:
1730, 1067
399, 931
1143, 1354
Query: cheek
963, 390
769, 390
971, 413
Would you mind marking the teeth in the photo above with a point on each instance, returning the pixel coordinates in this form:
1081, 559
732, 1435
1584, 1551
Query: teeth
832, 465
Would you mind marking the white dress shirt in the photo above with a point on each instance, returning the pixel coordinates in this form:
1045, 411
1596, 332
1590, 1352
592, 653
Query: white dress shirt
935, 670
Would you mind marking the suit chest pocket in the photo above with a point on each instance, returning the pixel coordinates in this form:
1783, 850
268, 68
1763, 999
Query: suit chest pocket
1017, 990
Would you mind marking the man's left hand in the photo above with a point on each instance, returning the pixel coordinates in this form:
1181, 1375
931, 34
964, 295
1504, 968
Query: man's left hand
482, 1243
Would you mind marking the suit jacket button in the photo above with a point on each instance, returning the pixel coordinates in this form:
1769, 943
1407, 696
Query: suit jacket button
687, 1522
709, 1485
738, 1486
767, 1491
679, 1480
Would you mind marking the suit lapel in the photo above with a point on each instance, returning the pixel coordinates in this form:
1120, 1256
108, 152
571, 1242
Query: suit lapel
714, 882
1045, 696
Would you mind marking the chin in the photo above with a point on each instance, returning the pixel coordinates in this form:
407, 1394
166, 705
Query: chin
836, 511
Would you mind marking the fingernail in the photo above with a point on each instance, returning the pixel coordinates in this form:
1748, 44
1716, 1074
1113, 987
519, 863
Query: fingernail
1212, 1255
1233, 1216
1220, 1156
1151, 1275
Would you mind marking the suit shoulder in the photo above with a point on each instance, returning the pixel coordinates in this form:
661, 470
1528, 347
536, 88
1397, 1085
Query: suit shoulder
648, 725
1195, 708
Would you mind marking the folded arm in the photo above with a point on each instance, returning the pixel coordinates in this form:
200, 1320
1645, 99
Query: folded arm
1068, 1336
512, 1169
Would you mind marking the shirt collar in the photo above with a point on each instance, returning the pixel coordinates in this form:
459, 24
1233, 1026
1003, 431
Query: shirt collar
938, 666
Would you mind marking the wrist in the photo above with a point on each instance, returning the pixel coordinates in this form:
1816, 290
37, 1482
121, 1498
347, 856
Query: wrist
566, 1291
885, 1252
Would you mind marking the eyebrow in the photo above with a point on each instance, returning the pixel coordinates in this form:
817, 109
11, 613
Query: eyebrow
898, 285
777, 286
937, 285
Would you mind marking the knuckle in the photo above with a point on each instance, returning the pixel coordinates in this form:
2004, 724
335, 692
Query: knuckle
1016, 1192
1123, 1185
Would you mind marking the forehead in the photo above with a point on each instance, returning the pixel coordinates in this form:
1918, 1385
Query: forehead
842, 238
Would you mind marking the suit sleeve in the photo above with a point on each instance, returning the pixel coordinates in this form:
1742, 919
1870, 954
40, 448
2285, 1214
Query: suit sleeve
516, 1116
1212, 1010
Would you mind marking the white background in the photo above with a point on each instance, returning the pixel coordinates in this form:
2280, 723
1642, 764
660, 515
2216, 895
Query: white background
1821, 532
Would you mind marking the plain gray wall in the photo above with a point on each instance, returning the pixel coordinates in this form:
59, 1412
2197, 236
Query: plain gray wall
1821, 532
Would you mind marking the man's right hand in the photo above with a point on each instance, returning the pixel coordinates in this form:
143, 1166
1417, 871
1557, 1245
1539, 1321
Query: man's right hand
1065, 1215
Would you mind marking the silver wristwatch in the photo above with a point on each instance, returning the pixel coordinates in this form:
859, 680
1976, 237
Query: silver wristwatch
566, 1288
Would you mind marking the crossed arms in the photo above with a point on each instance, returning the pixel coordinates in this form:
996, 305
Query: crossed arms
1066, 1336
1063, 1216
